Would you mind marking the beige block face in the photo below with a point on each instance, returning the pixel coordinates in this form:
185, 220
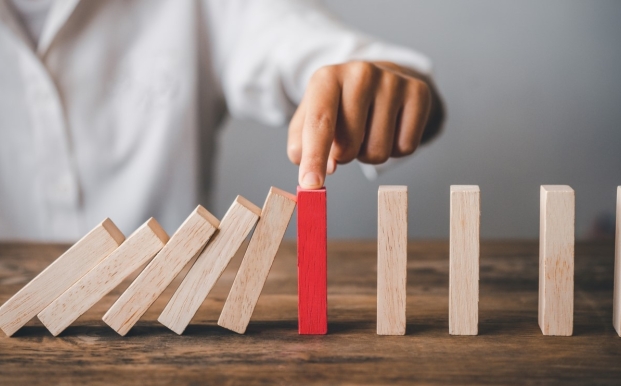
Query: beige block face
556, 260
392, 241
464, 260
616, 304
255, 266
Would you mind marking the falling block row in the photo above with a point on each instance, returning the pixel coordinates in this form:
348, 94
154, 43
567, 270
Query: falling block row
102, 259
59, 276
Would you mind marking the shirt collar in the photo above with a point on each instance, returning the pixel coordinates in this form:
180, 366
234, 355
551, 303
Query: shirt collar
12, 22
56, 19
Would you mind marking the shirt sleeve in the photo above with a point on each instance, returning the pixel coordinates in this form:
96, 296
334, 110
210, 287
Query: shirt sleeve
265, 51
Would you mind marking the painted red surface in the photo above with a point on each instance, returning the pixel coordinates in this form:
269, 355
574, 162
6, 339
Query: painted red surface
312, 262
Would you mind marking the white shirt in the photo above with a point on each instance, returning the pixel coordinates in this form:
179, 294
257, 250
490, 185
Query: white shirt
113, 112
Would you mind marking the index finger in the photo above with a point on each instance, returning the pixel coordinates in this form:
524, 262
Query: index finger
323, 95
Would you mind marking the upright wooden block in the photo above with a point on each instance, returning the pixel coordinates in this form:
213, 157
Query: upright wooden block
556, 260
59, 276
255, 266
392, 258
312, 262
200, 279
464, 260
139, 248
186, 243
616, 305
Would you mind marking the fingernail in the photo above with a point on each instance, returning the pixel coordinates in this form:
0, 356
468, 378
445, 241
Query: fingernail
311, 181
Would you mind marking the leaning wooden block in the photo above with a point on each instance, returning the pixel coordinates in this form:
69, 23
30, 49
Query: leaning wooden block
392, 259
556, 260
312, 262
59, 276
258, 260
616, 305
184, 244
138, 249
200, 279
464, 260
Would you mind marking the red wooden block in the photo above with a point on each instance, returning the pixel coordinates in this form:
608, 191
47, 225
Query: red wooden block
312, 262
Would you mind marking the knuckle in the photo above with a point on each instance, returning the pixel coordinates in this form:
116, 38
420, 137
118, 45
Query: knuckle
392, 81
345, 154
420, 90
363, 71
324, 73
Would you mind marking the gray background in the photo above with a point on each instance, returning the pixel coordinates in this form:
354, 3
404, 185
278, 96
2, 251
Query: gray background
534, 97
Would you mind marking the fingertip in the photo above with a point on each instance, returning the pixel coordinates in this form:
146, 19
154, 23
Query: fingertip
332, 171
331, 166
294, 152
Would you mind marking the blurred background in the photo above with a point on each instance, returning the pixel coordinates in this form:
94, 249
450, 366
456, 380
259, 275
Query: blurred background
533, 95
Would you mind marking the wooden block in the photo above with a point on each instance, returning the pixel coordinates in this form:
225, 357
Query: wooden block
312, 262
556, 260
616, 304
392, 258
255, 266
185, 243
138, 249
200, 279
59, 276
464, 260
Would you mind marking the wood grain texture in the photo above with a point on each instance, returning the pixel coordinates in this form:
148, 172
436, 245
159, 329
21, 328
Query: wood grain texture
392, 259
257, 262
556, 260
509, 350
465, 216
139, 248
312, 262
185, 243
200, 279
59, 276
616, 304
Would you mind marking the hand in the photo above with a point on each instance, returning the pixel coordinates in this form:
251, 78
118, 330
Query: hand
369, 111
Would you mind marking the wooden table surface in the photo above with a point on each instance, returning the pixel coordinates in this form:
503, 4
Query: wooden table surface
509, 350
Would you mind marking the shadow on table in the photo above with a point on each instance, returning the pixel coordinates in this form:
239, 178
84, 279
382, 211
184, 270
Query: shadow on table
42, 332
501, 326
